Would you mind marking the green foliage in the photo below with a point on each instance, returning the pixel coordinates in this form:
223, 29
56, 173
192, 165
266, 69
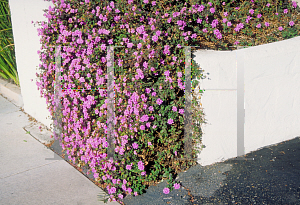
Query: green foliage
7, 53
159, 160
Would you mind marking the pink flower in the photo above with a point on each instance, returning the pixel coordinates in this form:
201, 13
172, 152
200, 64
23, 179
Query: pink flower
103, 47
142, 127
258, 25
170, 121
159, 101
268, 5
149, 143
112, 190
181, 111
146, 1
229, 23
176, 186
291, 23
224, 20
199, 20
174, 109
128, 167
166, 190
179, 74
259, 15
153, 3
135, 145
251, 11
267, 24
294, 4
175, 153
212, 10
154, 38
237, 42
225, 14
280, 28
285, 11
154, 94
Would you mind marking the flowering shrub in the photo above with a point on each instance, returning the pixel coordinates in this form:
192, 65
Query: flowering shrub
149, 81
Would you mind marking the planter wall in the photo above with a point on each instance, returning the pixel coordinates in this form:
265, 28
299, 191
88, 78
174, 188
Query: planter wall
272, 82
27, 43
271, 98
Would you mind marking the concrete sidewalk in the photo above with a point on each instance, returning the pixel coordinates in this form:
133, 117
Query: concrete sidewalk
26, 177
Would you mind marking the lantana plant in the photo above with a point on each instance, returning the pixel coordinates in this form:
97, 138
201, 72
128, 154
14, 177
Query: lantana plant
149, 80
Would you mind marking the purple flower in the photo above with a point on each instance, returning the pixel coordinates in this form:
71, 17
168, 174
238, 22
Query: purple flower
142, 127
258, 25
267, 24
170, 121
212, 10
238, 27
103, 47
135, 145
237, 42
151, 108
154, 94
179, 74
159, 101
199, 20
166, 190
291, 23
229, 23
146, 1
153, 3
251, 11
181, 111
154, 38
112, 190
294, 4
81, 80
128, 167
225, 14
204, 30
259, 15
174, 109
285, 11
280, 28
224, 20
176, 186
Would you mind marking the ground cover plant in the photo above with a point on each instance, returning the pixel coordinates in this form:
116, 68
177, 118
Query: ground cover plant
8, 69
149, 77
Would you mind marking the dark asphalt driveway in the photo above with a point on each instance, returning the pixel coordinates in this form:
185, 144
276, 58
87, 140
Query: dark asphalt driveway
273, 177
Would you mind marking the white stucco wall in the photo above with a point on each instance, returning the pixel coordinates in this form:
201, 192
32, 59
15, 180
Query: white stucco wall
271, 98
27, 43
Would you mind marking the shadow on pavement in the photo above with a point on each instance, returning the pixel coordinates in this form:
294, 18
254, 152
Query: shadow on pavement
273, 177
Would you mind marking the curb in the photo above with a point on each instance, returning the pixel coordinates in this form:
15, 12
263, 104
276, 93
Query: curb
12, 92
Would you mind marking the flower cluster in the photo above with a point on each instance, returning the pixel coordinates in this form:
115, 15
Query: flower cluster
88, 29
